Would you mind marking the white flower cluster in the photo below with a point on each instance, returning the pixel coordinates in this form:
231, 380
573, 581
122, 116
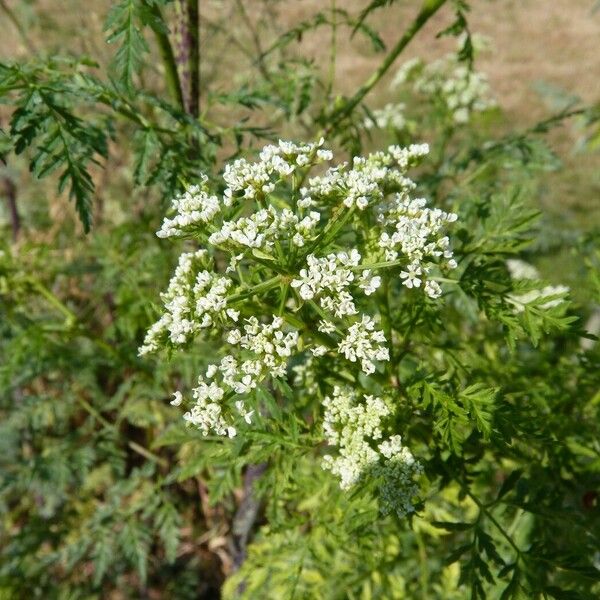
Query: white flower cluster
329, 280
250, 180
397, 474
355, 428
462, 90
351, 426
193, 300
364, 344
391, 116
252, 227
194, 206
255, 179
264, 228
271, 346
520, 270
369, 179
267, 349
417, 235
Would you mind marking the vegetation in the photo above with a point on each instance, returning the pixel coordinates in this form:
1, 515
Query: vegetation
357, 381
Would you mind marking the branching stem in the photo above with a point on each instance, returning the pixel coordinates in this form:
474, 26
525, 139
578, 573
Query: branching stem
428, 9
168, 59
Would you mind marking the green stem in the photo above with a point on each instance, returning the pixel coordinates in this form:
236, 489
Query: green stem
493, 520
168, 59
428, 9
285, 288
133, 445
379, 265
147, 454
70, 317
446, 137
444, 279
292, 320
324, 316
194, 36
386, 318
339, 218
261, 287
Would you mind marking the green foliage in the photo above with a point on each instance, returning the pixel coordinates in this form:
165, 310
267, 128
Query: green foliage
59, 116
105, 492
125, 21
70, 452
60, 139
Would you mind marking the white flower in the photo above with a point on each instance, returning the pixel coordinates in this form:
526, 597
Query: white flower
326, 327
245, 414
555, 293
263, 228
433, 289
390, 116
405, 71
410, 276
418, 235
519, 269
268, 349
233, 314
234, 337
369, 284
177, 399
233, 263
192, 301
319, 350
248, 179
259, 232
348, 424
362, 185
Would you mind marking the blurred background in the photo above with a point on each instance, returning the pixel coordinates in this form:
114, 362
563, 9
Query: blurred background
97, 492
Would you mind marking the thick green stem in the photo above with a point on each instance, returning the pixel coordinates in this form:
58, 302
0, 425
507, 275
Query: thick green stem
428, 9
168, 59
261, 287
187, 53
